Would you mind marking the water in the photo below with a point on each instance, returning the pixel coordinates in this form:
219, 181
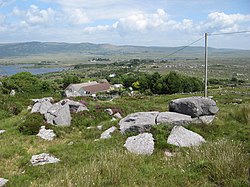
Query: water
8, 70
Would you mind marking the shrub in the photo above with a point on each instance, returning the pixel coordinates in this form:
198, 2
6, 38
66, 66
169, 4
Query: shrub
32, 124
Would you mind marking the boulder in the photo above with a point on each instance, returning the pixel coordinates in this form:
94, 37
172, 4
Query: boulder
138, 122
107, 134
203, 119
42, 159
82, 108
49, 118
46, 134
3, 181
140, 144
173, 118
2, 131
41, 106
182, 137
63, 117
194, 106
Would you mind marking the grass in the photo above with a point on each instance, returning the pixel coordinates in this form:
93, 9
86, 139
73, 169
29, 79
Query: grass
222, 161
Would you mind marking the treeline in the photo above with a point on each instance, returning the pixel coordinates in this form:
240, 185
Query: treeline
158, 84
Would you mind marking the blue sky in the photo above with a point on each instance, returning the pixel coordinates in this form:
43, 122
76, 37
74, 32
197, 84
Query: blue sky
126, 22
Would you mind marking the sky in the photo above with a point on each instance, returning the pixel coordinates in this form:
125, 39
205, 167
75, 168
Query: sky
126, 22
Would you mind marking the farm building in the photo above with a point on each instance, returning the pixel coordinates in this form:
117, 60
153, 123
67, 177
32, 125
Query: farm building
88, 88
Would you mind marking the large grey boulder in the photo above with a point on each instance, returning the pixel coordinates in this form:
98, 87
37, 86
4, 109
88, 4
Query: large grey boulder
140, 144
46, 134
44, 107
107, 134
182, 137
42, 159
63, 117
138, 122
173, 118
3, 181
194, 106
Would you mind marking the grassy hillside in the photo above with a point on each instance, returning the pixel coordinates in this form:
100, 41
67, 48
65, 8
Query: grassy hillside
222, 161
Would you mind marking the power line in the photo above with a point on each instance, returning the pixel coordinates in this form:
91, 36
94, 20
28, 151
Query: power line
184, 47
227, 33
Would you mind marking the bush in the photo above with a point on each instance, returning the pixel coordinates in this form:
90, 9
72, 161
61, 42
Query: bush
32, 124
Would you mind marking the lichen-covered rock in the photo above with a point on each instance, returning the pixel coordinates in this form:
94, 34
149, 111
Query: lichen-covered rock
173, 118
141, 144
182, 137
107, 134
42, 159
194, 106
46, 134
138, 122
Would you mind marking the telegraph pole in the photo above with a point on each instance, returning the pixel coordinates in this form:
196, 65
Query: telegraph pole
206, 53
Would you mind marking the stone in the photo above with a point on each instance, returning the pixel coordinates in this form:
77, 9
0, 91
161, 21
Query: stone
194, 106
142, 144
203, 119
12, 93
182, 137
42, 159
99, 127
2, 131
118, 115
46, 134
109, 111
138, 122
3, 181
36, 107
173, 118
50, 99
168, 153
63, 117
82, 108
107, 134
44, 107
49, 118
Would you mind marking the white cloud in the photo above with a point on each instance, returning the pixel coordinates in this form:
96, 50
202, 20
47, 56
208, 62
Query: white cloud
77, 16
36, 16
222, 22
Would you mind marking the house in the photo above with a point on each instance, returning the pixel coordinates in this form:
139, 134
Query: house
88, 88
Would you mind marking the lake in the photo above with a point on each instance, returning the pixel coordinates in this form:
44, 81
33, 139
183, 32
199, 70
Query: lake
8, 70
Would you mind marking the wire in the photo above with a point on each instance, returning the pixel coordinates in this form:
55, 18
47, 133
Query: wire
225, 33
185, 47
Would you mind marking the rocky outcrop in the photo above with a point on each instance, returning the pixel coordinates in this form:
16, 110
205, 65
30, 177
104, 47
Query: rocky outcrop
138, 122
182, 137
46, 134
42, 159
141, 144
107, 134
58, 113
194, 106
3, 182
173, 118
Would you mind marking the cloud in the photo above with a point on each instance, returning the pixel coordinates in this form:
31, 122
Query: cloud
6, 2
144, 22
77, 16
36, 16
222, 22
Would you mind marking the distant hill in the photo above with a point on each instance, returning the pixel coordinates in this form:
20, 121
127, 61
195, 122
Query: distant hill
38, 48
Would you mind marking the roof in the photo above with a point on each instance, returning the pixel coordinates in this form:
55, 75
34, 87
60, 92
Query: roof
77, 87
99, 87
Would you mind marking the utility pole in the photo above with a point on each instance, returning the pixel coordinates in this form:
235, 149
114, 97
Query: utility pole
206, 53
